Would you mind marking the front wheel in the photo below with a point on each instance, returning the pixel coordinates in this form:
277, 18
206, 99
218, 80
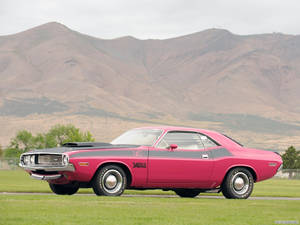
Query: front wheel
110, 181
187, 193
64, 189
238, 184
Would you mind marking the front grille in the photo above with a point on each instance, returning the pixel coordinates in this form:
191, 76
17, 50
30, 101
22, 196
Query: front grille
45, 162
49, 160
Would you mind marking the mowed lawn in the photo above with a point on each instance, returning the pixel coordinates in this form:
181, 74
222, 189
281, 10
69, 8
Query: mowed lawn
88, 209
92, 209
20, 181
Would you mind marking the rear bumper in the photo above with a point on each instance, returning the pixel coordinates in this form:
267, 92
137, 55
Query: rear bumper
45, 177
280, 167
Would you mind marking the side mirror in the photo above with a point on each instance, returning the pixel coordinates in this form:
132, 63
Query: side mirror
173, 147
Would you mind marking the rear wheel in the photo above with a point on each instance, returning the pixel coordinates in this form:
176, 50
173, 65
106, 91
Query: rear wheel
110, 181
187, 193
64, 189
238, 184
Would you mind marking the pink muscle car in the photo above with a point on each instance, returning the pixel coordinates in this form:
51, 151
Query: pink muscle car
185, 160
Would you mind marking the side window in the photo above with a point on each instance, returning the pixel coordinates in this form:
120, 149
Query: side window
184, 140
208, 143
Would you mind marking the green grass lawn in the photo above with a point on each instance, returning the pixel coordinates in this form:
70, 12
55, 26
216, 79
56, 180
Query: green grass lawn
20, 181
90, 209
79, 209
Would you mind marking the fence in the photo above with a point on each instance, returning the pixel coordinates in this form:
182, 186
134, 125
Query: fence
289, 174
12, 164
9, 163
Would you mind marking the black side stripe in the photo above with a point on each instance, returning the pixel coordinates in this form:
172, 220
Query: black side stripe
130, 153
214, 153
220, 153
179, 154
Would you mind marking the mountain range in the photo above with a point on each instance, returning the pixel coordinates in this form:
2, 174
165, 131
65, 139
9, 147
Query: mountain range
235, 83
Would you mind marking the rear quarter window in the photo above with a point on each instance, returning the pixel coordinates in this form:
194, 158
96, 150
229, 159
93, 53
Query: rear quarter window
238, 143
208, 142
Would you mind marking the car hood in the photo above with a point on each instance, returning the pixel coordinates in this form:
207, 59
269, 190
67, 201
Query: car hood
61, 150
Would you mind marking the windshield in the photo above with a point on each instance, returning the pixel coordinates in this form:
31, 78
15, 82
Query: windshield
146, 137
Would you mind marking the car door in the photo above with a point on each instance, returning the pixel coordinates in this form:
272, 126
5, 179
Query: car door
189, 163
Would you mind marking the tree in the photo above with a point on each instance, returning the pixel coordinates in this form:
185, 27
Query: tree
23, 141
12, 152
40, 141
291, 159
60, 134
57, 136
1, 151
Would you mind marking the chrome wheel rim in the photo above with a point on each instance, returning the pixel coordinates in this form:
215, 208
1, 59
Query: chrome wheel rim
240, 183
112, 181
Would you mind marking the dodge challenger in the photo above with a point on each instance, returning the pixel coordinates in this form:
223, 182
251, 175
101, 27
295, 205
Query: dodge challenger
186, 160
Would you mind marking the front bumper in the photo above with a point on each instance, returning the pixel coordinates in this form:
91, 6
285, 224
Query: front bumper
69, 167
46, 177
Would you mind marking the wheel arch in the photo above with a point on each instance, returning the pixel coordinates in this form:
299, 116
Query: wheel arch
251, 170
125, 168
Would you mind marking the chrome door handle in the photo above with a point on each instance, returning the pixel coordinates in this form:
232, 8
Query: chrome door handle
204, 156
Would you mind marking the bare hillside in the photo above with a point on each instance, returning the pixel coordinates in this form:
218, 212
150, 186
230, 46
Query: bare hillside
245, 83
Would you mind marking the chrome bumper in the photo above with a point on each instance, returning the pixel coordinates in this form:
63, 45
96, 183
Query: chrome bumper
46, 177
69, 167
280, 167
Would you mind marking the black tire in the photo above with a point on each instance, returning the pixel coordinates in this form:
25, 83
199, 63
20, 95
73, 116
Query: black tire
187, 193
238, 184
64, 189
110, 181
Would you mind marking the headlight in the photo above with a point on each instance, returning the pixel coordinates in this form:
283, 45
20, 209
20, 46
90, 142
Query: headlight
65, 160
32, 159
26, 159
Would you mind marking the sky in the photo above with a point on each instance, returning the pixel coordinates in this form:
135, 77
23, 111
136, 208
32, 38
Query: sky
155, 19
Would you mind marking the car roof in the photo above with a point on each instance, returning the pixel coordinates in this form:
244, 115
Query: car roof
219, 137
176, 128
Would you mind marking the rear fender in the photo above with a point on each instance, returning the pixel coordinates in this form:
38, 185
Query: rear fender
251, 169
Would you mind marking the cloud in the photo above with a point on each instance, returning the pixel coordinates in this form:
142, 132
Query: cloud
152, 19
